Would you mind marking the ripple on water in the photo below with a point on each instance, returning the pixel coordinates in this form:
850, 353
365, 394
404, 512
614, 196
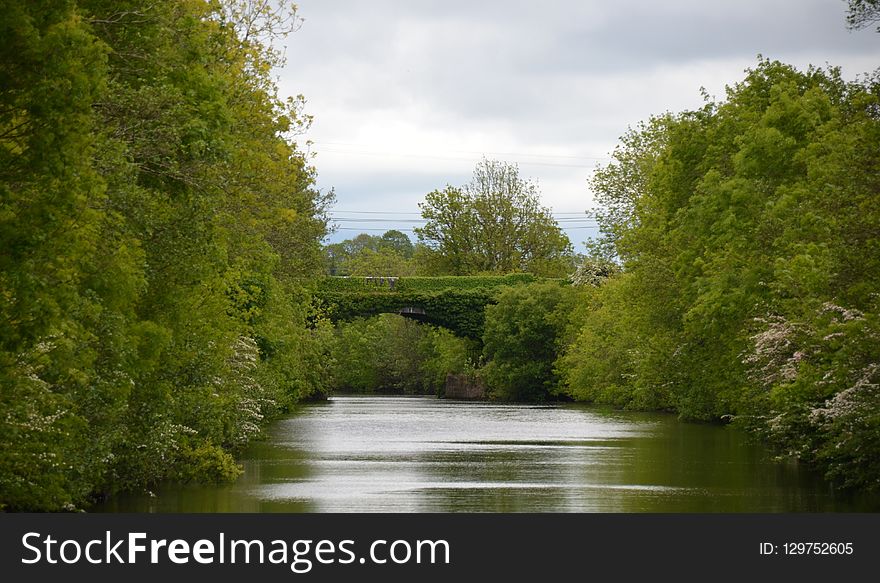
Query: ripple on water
405, 454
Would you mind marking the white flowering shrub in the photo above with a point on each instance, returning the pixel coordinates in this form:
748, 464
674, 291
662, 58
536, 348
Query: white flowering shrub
593, 272
250, 397
818, 386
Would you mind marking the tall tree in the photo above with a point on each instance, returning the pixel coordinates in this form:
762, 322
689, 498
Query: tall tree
749, 232
60, 281
153, 208
493, 224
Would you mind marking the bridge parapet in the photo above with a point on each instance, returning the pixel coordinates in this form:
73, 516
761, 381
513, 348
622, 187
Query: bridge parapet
420, 283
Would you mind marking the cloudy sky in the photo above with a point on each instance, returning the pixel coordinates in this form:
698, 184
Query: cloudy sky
408, 95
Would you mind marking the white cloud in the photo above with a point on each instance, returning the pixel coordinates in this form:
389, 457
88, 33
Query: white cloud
407, 96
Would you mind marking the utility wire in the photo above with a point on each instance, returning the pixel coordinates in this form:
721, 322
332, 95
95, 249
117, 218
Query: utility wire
381, 220
365, 148
419, 214
360, 230
426, 156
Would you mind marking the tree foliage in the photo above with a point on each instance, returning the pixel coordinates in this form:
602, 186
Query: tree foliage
391, 354
493, 224
154, 214
390, 255
749, 233
862, 13
524, 332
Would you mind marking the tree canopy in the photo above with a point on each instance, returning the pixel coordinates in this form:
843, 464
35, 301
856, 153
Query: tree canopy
154, 214
387, 255
523, 335
493, 224
749, 233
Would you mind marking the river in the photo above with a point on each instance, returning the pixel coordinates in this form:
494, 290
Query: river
422, 454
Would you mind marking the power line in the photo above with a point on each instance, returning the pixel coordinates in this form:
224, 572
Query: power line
418, 213
412, 221
431, 157
481, 153
378, 212
377, 220
566, 220
368, 229
361, 230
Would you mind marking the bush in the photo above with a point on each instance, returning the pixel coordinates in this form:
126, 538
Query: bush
523, 336
392, 354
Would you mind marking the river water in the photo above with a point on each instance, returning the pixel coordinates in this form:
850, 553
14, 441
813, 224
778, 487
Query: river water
422, 454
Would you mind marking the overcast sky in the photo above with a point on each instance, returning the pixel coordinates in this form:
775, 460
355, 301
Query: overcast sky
408, 95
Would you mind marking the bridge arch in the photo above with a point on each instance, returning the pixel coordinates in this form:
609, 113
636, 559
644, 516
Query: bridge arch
457, 303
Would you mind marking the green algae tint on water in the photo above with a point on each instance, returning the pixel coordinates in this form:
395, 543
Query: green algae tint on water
422, 454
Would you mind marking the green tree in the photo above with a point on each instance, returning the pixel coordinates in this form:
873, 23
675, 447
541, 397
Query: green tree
155, 213
370, 255
386, 262
493, 224
523, 336
61, 284
448, 239
748, 235
398, 242
391, 354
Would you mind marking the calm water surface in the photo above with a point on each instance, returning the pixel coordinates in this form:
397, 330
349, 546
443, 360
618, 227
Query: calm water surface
421, 454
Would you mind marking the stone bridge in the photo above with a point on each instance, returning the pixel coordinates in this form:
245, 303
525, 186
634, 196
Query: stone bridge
457, 303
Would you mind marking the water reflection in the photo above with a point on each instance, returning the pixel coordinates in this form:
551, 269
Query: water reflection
389, 454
